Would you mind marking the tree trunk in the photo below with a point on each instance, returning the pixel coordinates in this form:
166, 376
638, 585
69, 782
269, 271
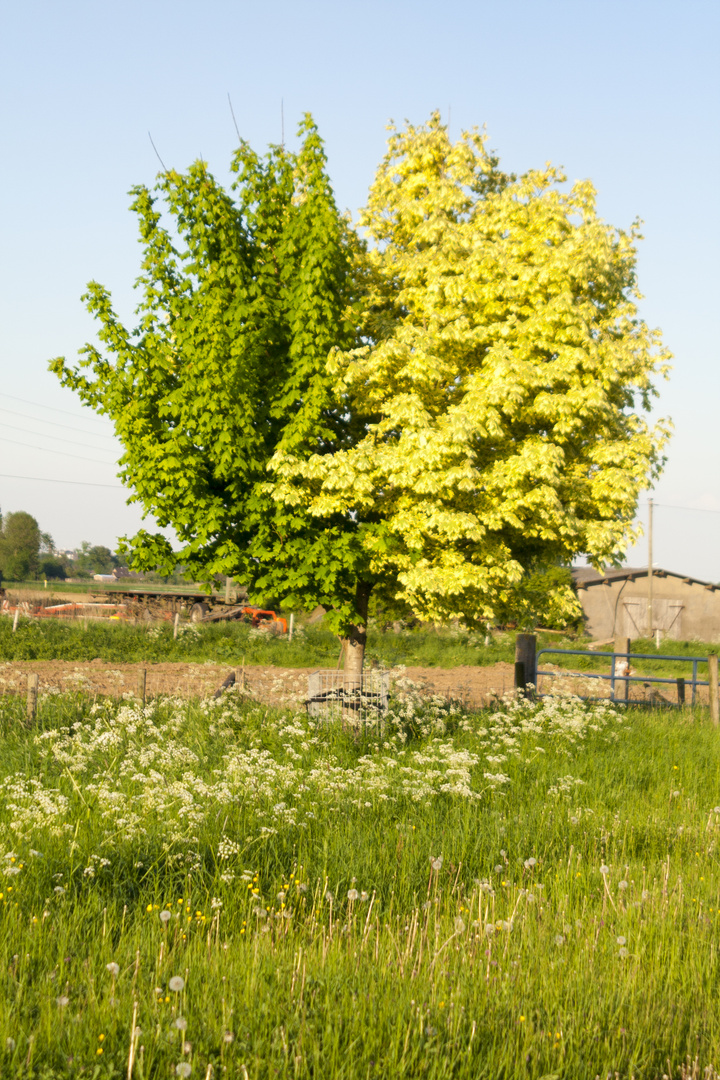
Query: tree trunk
357, 638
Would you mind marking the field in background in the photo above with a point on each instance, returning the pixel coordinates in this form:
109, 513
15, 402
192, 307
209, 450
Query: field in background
312, 646
216, 888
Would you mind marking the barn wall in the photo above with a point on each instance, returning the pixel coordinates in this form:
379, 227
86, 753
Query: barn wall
682, 610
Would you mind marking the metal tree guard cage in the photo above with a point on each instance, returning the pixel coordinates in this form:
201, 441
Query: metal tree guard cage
335, 695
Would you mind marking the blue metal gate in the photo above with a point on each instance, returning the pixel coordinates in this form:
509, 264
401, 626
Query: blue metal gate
624, 681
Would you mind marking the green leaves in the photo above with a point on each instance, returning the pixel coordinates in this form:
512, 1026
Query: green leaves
435, 419
242, 296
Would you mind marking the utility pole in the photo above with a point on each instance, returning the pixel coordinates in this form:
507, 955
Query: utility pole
650, 568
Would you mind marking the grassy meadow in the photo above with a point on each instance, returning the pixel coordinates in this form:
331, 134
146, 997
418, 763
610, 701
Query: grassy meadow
216, 889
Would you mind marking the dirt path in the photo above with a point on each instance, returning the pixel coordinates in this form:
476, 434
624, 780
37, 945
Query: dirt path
271, 685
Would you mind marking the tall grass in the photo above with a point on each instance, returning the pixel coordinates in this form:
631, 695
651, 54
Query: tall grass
53, 639
214, 888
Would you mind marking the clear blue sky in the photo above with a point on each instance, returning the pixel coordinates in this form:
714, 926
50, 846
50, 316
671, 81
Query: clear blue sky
625, 93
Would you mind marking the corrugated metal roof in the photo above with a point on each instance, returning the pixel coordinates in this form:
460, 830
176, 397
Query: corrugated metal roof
584, 576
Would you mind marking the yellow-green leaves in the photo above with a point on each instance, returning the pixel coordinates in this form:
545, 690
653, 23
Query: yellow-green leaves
502, 384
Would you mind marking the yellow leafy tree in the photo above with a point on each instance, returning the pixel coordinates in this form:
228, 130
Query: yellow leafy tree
500, 394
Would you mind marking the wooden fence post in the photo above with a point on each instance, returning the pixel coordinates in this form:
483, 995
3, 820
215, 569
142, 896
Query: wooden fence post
681, 692
32, 696
292, 625
622, 645
175, 625
142, 682
16, 617
713, 680
525, 655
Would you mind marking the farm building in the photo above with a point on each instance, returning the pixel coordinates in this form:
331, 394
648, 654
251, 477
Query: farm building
615, 603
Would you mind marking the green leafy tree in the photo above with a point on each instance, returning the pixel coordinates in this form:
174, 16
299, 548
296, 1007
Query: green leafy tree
95, 559
52, 568
243, 297
430, 422
19, 546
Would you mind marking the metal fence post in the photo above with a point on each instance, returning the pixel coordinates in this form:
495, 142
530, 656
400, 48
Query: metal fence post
526, 654
713, 680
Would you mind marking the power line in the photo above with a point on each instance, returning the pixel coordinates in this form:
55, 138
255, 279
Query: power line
51, 408
699, 509
43, 435
54, 423
50, 480
61, 453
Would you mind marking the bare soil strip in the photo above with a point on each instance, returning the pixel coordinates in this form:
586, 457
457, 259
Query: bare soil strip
270, 685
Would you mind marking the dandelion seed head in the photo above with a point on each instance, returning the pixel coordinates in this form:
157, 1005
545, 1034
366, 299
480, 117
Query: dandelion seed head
177, 983
559, 939
63, 1001
624, 953
165, 916
529, 863
622, 940
459, 925
353, 894
604, 869
436, 862
113, 968
183, 1068
622, 885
